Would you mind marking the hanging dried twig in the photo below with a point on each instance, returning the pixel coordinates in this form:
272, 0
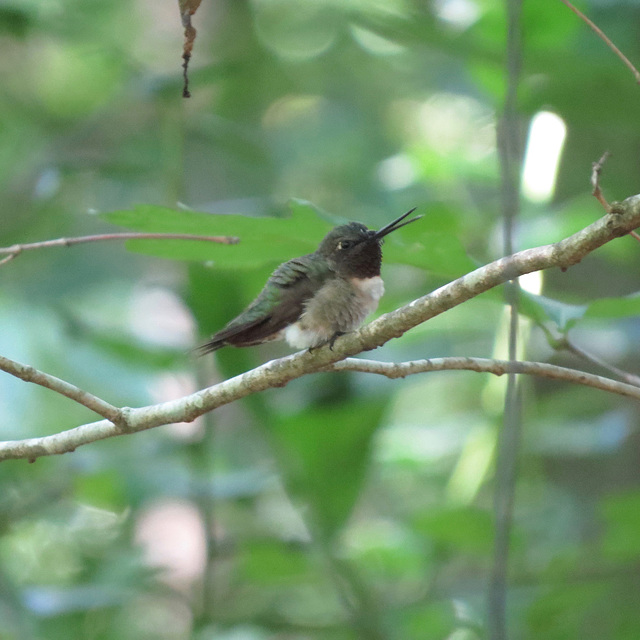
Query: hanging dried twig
187, 9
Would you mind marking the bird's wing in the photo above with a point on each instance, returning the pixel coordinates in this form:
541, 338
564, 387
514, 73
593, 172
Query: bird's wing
279, 304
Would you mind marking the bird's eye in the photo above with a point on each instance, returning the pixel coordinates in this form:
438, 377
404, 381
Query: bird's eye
344, 244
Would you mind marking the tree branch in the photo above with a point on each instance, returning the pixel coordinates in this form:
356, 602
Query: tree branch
15, 250
277, 373
596, 191
487, 365
564, 342
29, 374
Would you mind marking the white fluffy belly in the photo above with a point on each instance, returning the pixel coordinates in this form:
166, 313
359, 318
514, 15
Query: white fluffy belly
299, 337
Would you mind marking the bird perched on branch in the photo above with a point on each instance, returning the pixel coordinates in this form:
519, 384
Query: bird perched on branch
311, 300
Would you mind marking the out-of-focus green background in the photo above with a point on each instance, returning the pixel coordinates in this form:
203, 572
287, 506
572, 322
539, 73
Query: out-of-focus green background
342, 506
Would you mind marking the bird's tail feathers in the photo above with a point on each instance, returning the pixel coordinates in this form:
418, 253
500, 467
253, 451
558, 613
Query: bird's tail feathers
239, 335
209, 347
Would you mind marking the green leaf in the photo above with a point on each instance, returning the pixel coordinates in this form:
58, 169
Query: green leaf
432, 621
464, 528
561, 612
564, 315
325, 452
102, 489
543, 309
16, 21
615, 307
432, 243
269, 562
622, 536
263, 240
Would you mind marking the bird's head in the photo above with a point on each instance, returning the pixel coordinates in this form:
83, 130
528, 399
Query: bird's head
353, 250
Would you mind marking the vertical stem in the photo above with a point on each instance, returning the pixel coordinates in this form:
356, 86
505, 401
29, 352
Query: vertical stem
509, 437
202, 458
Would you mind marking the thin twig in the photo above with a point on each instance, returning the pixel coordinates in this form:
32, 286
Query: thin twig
185, 75
606, 40
16, 249
86, 399
9, 258
596, 172
487, 365
568, 345
597, 166
597, 191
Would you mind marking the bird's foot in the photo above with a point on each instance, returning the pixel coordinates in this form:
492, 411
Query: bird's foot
334, 337
330, 342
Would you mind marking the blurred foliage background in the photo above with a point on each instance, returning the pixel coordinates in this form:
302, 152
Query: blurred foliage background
342, 506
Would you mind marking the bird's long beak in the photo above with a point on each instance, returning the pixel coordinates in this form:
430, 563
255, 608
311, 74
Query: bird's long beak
392, 226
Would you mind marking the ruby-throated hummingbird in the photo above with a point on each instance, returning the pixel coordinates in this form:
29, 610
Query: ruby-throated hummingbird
311, 300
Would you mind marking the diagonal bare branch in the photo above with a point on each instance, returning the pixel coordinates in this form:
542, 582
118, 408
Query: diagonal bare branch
29, 374
601, 34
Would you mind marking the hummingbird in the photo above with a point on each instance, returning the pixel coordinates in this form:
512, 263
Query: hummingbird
312, 300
